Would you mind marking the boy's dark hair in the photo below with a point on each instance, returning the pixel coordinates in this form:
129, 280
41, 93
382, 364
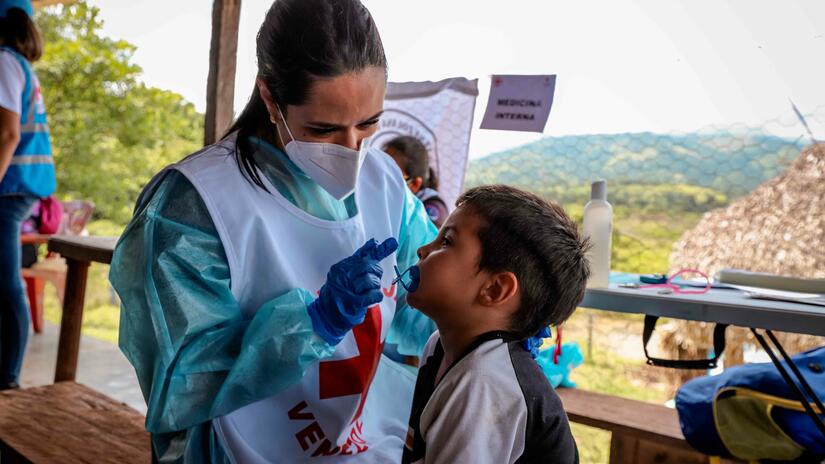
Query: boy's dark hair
417, 160
18, 31
538, 242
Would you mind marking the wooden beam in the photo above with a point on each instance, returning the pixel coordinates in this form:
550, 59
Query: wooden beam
44, 3
220, 85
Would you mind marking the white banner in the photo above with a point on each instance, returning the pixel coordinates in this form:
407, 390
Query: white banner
519, 103
440, 115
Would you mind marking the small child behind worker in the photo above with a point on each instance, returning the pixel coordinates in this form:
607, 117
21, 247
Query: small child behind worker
412, 158
505, 265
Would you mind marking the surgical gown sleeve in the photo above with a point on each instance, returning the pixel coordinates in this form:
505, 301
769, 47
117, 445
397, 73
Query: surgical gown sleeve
196, 356
410, 328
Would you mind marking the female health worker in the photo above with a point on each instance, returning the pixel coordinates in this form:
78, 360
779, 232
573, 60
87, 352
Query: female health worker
256, 274
26, 172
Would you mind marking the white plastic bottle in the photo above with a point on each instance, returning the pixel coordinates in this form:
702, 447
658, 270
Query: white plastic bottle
598, 225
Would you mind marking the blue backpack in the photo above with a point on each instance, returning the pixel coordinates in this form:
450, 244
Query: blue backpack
749, 412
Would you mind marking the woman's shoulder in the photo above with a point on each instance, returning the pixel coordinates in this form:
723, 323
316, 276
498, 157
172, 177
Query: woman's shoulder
172, 197
220, 151
212, 168
175, 176
161, 188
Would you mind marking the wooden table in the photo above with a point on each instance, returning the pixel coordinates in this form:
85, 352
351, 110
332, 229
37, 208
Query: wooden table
79, 253
34, 239
69, 423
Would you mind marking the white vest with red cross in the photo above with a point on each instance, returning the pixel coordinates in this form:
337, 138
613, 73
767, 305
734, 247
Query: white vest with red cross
273, 246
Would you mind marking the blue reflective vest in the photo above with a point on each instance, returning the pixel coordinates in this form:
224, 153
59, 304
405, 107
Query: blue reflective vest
32, 167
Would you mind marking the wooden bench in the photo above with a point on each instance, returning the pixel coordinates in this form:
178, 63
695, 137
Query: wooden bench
641, 432
69, 423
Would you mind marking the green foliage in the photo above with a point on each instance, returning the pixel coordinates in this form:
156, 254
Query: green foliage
110, 132
105, 228
641, 198
642, 241
643, 235
732, 163
648, 217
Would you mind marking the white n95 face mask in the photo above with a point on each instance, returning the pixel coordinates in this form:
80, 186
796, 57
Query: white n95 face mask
334, 167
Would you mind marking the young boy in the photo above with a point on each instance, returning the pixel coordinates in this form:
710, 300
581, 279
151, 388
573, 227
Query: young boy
504, 265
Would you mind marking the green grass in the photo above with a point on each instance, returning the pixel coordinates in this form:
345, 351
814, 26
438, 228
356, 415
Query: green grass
608, 372
593, 443
612, 375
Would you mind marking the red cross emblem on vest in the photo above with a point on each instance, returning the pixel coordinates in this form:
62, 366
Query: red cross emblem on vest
344, 377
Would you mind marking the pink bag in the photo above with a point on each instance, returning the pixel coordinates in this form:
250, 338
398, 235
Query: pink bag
51, 213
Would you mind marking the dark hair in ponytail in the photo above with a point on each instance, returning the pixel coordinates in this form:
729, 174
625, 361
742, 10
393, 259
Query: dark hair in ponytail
18, 31
416, 159
298, 42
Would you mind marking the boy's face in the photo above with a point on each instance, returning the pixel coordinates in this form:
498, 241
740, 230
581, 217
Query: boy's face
450, 280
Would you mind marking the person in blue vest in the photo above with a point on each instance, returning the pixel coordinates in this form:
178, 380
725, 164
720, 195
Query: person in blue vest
26, 172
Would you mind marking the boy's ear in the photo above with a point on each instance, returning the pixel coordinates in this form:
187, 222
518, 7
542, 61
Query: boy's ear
500, 288
416, 183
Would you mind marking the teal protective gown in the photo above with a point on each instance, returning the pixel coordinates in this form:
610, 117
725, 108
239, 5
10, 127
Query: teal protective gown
196, 356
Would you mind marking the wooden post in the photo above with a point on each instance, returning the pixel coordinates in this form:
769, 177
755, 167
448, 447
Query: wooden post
69, 344
220, 85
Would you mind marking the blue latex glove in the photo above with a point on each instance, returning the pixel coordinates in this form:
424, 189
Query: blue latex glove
533, 343
353, 285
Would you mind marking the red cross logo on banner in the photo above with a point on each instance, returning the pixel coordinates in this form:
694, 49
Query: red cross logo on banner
353, 376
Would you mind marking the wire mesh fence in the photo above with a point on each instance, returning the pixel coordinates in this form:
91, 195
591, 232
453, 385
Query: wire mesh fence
750, 197
659, 184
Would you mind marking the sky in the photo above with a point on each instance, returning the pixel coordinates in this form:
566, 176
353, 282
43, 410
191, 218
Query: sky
622, 66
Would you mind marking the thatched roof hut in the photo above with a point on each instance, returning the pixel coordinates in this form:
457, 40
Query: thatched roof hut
779, 228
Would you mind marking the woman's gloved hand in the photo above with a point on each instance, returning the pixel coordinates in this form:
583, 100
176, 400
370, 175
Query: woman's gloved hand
353, 285
533, 343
